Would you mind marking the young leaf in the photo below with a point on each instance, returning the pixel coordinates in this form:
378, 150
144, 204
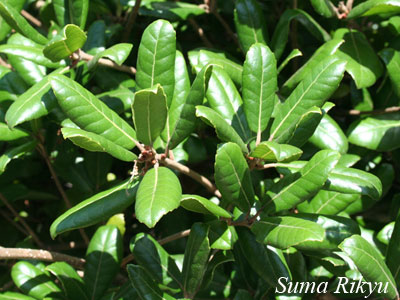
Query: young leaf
149, 110
259, 85
156, 58
285, 232
362, 62
68, 12
313, 90
74, 38
224, 131
7, 134
182, 117
204, 206
274, 152
96, 208
103, 257
232, 177
89, 113
19, 23
34, 282
72, 283
393, 250
369, 263
195, 259
250, 24
96, 143
373, 7
159, 193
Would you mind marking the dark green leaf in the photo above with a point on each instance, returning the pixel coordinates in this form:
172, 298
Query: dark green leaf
75, 12
391, 58
393, 250
204, 206
15, 153
295, 53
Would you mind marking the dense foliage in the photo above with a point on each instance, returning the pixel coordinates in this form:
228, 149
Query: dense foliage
202, 150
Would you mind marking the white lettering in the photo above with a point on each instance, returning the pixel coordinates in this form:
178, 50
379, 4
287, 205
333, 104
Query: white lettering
281, 284
323, 290
340, 284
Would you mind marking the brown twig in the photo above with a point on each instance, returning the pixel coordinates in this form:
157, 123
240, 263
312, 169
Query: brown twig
200, 32
131, 20
355, 112
24, 224
31, 18
42, 255
5, 64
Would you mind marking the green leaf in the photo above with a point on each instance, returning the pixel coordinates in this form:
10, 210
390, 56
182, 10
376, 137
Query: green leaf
96, 143
173, 11
329, 135
327, 49
250, 24
222, 236
285, 232
13, 295
391, 58
224, 130
274, 152
149, 110
373, 7
376, 133
313, 90
224, 98
324, 7
146, 287
96, 208
74, 39
232, 177
393, 250
363, 64
117, 53
119, 100
281, 33
295, 53
7, 134
5, 29
15, 153
155, 260
384, 236
30, 53
103, 257
182, 115
72, 283
89, 113
204, 206
17, 22
260, 83
156, 58
369, 263
195, 259
301, 186
11, 85
34, 282
159, 193
75, 12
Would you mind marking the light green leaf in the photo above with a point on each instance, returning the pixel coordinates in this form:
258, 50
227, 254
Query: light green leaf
173, 11
4, 27
324, 7
75, 12
274, 152
96, 208
149, 110
96, 143
7, 134
156, 58
204, 206
14, 296
232, 177
15, 153
159, 193
373, 7
222, 236
30, 53
384, 236
369, 263
74, 38
117, 53
259, 85
250, 24
90, 114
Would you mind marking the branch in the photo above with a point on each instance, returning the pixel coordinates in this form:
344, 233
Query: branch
31, 18
354, 112
131, 20
200, 32
42, 255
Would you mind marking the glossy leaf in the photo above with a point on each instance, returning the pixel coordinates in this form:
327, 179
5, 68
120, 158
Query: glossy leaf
285, 232
119, 100
159, 193
4, 27
298, 187
232, 177
324, 7
75, 12
222, 236
146, 287
281, 33
362, 62
156, 58
259, 85
250, 24
373, 7
182, 115
149, 111
274, 152
224, 131
15, 153
89, 113
369, 263
14, 296
74, 39
385, 234
7, 134
71, 282
202, 205
103, 256
393, 250
391, 58
96, 208
173, 11
30, 53
117, 53
313, 90
96, 143
11, 85
224, 98
195, 259
17, 22
34, 282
